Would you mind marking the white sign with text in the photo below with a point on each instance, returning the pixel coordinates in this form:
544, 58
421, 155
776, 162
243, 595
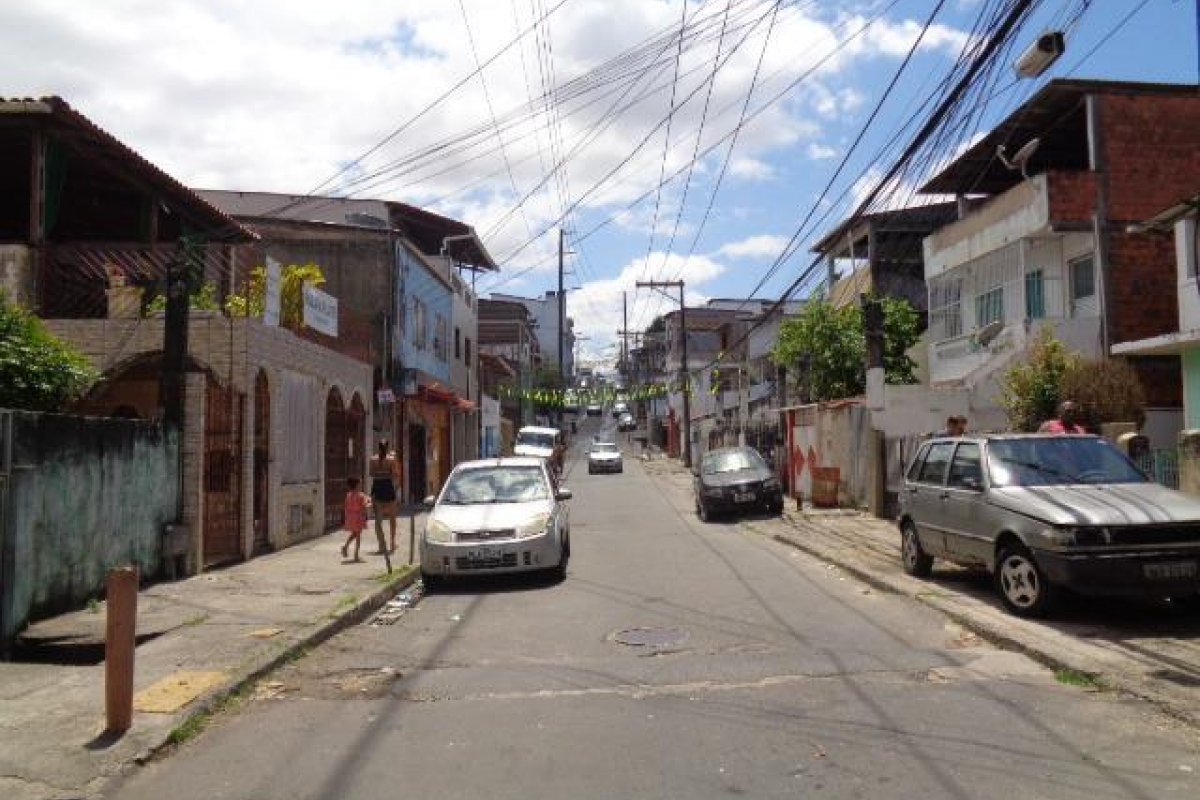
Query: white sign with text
320, 311
271, 299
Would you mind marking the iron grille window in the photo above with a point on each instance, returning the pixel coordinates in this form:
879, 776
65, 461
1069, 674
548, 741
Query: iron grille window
1035, 295
989, 306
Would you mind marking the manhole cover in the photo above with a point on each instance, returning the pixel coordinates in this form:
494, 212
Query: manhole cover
650, 637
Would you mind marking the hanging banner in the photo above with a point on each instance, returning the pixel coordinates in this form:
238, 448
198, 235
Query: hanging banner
320, 310
271, 301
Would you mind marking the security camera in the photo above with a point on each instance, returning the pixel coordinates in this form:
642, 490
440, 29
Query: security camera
1038, 57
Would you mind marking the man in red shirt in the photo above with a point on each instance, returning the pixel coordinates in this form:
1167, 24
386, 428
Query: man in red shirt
1067, 421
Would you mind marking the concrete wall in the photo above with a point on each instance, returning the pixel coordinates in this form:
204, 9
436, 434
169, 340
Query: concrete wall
419, 283
16, 274
84, 495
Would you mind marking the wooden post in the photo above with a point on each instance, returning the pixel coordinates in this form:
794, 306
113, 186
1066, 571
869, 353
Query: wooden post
119, 639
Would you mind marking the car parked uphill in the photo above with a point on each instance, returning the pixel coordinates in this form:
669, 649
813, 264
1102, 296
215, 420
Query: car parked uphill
735, 479
604, 457
1046, 512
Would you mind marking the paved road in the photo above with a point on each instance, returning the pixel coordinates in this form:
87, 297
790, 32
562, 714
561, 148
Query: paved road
775, 677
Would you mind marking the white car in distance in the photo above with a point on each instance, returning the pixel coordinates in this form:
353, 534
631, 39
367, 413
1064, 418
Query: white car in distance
604, 457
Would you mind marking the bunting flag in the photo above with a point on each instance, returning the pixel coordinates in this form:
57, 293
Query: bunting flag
561, 398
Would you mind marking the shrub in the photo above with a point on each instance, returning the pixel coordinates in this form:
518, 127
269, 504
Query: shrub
1030, 391
1108, 390
38, 372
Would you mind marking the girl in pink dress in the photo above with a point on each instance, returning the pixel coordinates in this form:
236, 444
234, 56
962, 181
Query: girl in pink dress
356, 516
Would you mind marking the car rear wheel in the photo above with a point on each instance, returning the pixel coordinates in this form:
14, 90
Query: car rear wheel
559, 571
916, 561
432, 582
1022, 584
702, 511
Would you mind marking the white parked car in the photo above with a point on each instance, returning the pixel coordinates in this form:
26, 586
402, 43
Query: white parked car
604, 457
498, 515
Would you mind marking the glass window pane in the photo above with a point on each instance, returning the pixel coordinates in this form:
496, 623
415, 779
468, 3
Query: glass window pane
1035, 295
966, 469
1083, 279
934, 468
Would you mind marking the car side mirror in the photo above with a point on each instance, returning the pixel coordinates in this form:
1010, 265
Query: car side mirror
563, 494
429, 501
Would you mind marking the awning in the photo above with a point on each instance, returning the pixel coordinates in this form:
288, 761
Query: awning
1168, 344
437, 394
462, 404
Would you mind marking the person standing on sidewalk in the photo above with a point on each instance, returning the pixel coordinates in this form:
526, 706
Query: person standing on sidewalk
385, 478
356, 507
1067, 420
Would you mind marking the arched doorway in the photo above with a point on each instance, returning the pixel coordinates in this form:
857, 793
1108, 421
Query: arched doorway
336, 459
356, 434
262, 455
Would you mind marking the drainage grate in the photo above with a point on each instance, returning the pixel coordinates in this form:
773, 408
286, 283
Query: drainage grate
395, 608
650, 637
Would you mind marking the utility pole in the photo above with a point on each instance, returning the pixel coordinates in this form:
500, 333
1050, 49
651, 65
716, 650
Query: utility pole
562, 366
625, 326
686, 376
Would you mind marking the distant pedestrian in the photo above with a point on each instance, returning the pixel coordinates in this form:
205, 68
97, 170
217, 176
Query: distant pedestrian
385, 478
955, 426
356, 507
1067, 420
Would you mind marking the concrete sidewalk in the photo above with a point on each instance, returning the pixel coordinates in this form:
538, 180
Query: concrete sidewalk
1151, 651
201, 641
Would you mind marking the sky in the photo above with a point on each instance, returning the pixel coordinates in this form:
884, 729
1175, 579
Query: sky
694, 158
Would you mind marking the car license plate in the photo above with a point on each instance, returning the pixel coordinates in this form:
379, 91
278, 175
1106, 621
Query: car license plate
743, 497
483, 554
1168, 570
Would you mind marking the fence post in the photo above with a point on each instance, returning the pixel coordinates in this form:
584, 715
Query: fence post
119, 640
1189, 461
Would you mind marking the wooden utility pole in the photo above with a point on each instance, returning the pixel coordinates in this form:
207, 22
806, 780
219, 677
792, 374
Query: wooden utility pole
684, 373
562, 366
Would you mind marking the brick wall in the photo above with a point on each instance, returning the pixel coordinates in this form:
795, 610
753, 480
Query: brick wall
1162, 380
1151, 152
1143, 296
1072, 196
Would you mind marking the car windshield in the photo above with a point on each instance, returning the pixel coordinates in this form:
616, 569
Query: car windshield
501, 484
732, 461
1058, 461
531, 439
604, 447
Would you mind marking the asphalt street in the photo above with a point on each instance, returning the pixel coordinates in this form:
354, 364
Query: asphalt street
678, 659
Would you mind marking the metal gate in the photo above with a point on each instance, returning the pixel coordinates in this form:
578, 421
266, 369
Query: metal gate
262, 454
336, 466
222, 475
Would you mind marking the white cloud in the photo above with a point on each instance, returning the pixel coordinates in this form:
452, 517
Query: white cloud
761, 246
276, 95
596, 307
820, 152
751, 169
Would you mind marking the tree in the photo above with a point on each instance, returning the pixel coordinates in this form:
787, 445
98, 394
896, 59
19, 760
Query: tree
203, 299
293, 277
831, 343
38, 372
1030, 391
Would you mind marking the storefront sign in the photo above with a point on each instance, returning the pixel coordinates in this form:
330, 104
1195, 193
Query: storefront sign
320, 311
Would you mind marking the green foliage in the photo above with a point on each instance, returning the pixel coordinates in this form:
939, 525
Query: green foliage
834, 342
1030, 391
1108, 390
252, 301
203, 299
38, 372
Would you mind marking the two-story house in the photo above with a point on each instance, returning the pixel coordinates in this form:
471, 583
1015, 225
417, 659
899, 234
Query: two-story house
398, 271
1061, 181
545, 312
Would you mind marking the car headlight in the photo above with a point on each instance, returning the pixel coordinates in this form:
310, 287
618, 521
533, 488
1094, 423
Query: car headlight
1079, 536
438, 532
771, 484
535, 527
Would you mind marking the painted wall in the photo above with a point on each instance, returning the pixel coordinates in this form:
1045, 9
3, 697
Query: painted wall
417, 282
85, 494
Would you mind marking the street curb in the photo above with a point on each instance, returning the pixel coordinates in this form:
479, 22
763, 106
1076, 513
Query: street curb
328, 627
1108, 681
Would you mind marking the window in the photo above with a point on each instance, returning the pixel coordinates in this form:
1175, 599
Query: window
945, 308
467, 352
914, 469
989, 306
1035, 295
934, 468
457, 343
420, 330
439, 337
1083, 279
966, 471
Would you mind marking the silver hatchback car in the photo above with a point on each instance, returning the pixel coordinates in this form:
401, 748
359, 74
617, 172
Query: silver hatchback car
498, 515
1044, 511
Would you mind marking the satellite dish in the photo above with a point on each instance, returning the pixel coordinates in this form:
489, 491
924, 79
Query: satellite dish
989, 332
1020, 159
